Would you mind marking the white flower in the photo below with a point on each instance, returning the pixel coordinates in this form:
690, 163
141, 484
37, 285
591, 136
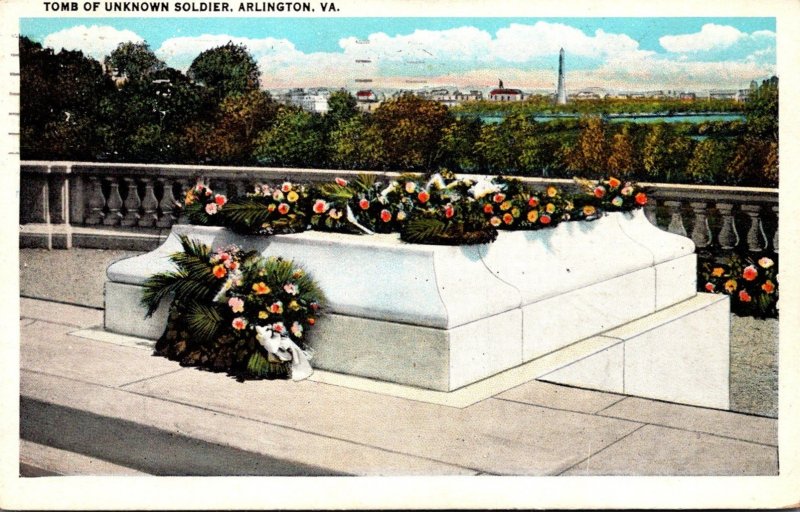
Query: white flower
483, 188
436, 180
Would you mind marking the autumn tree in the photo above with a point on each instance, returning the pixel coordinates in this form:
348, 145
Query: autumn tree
664, 154
761, 111
709, 161
624, 159
356, 143
589, 155
411, 128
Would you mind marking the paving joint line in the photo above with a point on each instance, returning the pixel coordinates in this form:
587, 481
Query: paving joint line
151, 377
263, 422
564, 410
64, 302
603, 449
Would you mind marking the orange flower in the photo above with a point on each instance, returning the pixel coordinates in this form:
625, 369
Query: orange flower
768, 286
718, 271
533, 202
261, 288
614, 182
589, 210
423, 196
310, 321
283, 208
750, 273
533, 215
219, 271
505, 205
552, 191
276, 307
550, 208
744, 296
641, 199
508, 218
488, 208
730, 285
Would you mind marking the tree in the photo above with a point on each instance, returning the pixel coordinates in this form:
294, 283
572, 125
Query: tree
754, 163
135, 61
342, 107
294, 140
589, 155
411, 128
624, 159
500, 146
357, 144
457, 145
664, 154
761, 111
709, 161
225, 70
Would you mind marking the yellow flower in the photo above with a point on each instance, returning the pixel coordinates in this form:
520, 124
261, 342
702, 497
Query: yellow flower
292, 196
550, 208
730, 285
189, 198
294, 306
505, 205
515, 212
552, 191
589, 210
718, 271
261, 288
533, 215
263, 314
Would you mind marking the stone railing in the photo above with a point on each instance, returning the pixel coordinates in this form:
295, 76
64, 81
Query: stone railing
130, 206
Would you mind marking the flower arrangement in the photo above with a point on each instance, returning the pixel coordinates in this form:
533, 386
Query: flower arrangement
752, 283
203, 206
437, 209
236, 311
269, 209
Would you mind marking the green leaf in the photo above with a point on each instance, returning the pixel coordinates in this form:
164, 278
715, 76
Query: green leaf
203, 320
420, 229
246, 214
336, 192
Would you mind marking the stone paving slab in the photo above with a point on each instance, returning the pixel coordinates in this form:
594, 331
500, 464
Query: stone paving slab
48, 348
123, 427
722, 423
62, 462
554, 396
493, 436
654, 450
65, 314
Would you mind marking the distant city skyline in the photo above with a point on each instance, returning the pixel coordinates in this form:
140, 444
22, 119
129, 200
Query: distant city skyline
408, 53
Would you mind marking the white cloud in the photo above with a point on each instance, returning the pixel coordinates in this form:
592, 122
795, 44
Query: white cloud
96, 41
712, 37
179, 52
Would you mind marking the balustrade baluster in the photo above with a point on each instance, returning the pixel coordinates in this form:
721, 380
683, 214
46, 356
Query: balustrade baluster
149, 205
650, 211
241, 188
96, 202
728, 236
131, 204
756, 238
114, 204
777, 223
167, 205
676, 221
184, 186
701, 233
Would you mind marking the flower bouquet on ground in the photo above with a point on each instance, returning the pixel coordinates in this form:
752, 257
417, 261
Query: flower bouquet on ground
269, 210
507, 204
203, 206
236, 312
751, 283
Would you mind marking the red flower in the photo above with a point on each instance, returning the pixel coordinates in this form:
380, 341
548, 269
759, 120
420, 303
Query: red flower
599, 192
364, 204
449, 211
220, 200
488, 208
744, 296
533, 202
320, 206
641, 199
340, 182
219, 271
710, 287
283, 208
545, 219
423, 196
614, 182
386, 215
750, 273
310, 321
768, 287
499, 197
508, 218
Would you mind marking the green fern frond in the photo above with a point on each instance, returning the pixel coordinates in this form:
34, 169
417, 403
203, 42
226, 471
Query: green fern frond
203, 320
364, 182
420, 229
159, 286
336, 192
245, 213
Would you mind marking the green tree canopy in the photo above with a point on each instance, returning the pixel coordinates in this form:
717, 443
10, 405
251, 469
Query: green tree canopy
294, 140
134, 60
226, 70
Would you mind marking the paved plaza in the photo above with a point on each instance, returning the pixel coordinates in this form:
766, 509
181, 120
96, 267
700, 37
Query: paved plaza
92, 407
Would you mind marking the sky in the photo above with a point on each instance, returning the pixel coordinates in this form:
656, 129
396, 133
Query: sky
611, 53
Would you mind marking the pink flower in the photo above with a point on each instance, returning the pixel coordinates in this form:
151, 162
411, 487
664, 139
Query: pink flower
224, 256
283, 208
232, 265
278, 327
411, 187
499, 197
320, 206
297, 330
239, 323
286, 187
276, 308
340, 182
495, 221
750, 273
290, 288
599, 192
277, 195
710, 287
314, 306
364, 204
449, 211
627, 190
335, 214
744, 296
211, 208
236, 304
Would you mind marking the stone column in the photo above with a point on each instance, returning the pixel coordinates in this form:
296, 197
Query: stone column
149, 205
701, 234
96, 202
132, 204
676, 221
756, 238
167, 204
728, 237
114, 204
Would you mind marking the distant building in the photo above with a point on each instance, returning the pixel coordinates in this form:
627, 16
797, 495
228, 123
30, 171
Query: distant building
313, 100
722, 94
561, 91
504, 94
367, 100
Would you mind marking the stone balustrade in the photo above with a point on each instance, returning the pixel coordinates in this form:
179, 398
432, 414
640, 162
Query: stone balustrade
131, 206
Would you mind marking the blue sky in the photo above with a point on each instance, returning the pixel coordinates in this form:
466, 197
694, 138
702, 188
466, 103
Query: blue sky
613, 53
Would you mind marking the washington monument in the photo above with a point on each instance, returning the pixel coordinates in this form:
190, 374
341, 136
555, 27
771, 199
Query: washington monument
561, 92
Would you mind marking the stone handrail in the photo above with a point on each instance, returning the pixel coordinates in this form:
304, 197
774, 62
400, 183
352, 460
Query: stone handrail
62, 196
